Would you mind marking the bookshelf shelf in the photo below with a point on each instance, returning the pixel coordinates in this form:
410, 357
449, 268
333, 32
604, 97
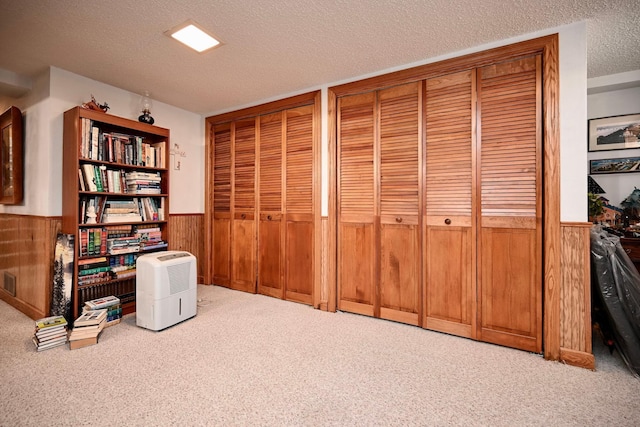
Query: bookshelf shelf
115, 201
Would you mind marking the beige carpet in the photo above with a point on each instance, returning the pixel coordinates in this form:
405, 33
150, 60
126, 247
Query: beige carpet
251, 360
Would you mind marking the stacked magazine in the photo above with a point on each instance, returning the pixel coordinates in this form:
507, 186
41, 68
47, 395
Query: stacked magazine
50, 332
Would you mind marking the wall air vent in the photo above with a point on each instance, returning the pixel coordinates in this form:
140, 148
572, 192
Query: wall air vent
9, 283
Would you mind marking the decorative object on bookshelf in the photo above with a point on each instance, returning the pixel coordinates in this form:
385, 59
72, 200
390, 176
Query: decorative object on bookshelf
145, 117
63, 265
11, 159
50, 332
116, 184
93, 105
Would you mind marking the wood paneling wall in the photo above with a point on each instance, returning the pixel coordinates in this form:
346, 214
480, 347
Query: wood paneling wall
575, 296
27, 246
186, 233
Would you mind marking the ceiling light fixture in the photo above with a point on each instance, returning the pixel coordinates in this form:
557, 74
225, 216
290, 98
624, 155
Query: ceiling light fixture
193, 36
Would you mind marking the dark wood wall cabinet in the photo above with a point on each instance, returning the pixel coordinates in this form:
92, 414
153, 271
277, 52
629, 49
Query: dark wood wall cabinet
11, 157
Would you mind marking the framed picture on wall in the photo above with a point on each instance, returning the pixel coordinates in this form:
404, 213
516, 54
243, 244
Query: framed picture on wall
620, 165
614, 133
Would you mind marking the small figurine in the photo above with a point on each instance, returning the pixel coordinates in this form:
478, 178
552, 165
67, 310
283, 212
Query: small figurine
91, 215
93, 105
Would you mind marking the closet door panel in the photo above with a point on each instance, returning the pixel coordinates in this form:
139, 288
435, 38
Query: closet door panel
222, 249
222, 205
400, 273
399, 136
243, 251
269, 256
243, 246
449, 259
449, 296
299, 137
356, 278
299, 264
271, 236
510, 278
357, 201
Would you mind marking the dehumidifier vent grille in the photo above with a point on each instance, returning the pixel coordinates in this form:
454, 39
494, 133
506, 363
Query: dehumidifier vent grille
178, 277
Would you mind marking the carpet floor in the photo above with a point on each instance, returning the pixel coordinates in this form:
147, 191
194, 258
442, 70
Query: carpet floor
252, 360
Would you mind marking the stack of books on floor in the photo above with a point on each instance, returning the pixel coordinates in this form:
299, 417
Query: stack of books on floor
87, 328
111, 304
50, 332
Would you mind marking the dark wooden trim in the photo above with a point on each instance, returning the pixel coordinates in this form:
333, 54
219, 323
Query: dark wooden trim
270, 107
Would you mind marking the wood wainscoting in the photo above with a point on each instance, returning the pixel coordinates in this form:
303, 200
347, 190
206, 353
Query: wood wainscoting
27, 245
186, 233
575, 296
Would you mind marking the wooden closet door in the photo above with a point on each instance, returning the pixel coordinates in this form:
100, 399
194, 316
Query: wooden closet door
510, 234
357, 203
222, 205
399, 139
243, 252
270, 238
450, 267
299, 229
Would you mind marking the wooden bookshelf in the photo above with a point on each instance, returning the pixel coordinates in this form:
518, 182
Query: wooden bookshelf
120, 167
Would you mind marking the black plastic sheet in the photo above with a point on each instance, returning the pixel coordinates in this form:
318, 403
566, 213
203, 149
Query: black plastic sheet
616, 283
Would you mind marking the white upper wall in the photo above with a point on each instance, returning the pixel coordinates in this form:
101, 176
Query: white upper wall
43, 111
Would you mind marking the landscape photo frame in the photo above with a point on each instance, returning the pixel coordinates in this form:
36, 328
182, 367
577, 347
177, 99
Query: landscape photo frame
614, 133
619, 165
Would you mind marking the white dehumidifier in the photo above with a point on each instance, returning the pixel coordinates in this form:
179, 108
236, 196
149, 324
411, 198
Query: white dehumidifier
166, 289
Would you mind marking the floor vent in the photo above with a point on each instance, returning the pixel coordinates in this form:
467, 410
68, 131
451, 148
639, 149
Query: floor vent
10, 283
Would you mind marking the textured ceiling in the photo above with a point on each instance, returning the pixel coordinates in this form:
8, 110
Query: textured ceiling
276, 47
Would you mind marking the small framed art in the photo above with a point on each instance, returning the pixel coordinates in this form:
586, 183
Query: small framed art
614, 133
620, 165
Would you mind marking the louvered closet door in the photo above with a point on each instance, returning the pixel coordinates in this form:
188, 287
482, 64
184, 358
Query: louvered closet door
510, 261
270, 240
449, 291
222, 205
357, 202
299, 269
243, 252
399, 136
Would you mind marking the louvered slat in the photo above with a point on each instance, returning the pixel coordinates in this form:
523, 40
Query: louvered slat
222, 169
399, 141
271, 163
509, 140
244, 165
356, 140
299, 160
449, 145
